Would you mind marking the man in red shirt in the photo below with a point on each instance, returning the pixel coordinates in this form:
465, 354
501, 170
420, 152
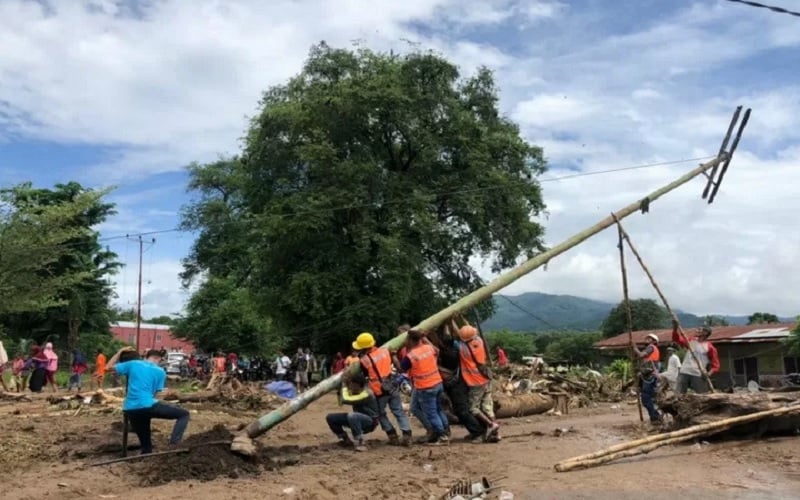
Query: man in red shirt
690, 376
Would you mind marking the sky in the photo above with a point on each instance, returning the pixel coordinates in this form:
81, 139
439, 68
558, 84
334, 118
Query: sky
127, 93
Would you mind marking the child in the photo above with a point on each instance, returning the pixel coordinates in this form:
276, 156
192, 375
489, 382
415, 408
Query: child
364, 417
79, 367
16, 372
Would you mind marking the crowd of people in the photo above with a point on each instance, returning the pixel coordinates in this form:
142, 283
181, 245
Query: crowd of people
449, 366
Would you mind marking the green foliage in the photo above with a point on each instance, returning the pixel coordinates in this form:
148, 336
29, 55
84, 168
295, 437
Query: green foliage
711, 320
220, 316
575, 348
515, 344
646, 314
366, 184
762, 318
620, 368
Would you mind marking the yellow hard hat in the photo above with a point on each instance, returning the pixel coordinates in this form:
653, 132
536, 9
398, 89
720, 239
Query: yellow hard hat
364, 341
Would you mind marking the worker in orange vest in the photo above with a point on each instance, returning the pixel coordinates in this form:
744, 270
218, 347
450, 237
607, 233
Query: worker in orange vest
650, 363
478, 377
420, 364
376, 365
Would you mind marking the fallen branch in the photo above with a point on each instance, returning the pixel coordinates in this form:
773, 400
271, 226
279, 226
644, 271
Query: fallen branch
649, 444
158, 454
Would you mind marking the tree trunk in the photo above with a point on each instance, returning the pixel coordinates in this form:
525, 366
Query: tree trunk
695, 409
522, 405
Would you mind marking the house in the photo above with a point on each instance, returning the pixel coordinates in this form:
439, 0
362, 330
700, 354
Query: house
752, 352
151, 336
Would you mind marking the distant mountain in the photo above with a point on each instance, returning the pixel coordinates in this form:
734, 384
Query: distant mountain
563, 312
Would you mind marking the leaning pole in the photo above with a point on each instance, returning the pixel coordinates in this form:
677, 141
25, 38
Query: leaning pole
243, 443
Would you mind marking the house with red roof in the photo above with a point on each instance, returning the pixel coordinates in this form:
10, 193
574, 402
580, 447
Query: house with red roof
151, 336
746, 352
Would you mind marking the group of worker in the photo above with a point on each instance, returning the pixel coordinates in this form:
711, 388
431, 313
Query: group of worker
699, 364
451, 362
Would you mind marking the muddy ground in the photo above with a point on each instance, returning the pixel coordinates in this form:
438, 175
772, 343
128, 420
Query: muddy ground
46, 453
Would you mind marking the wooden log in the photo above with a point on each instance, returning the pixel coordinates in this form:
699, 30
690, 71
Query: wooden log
695, 409
522, 405
650, 443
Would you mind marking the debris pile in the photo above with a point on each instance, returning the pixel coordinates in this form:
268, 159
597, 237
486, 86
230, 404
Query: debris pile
576, 388
204, 463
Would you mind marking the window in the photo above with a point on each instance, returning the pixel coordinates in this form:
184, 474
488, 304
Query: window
747, 368
791, 365
158, 338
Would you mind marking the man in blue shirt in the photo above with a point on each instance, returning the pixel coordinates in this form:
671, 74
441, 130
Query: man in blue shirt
145, 380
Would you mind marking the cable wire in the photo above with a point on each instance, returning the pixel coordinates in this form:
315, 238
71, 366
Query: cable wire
780, 10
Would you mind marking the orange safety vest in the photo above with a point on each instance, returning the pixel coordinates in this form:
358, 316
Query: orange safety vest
654, 356
379, 368
469, 352
424, 371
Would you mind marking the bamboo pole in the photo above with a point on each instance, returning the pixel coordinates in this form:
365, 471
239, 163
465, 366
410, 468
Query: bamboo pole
627, 302
648, 444
278, 415
672, 314
158, 453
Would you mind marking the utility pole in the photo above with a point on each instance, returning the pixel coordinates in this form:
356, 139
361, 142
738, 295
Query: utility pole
243, 442
139, 292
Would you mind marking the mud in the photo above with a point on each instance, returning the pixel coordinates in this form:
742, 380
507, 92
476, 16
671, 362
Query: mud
201, 463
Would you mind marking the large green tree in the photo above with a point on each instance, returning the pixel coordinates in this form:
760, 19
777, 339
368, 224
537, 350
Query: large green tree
762, 318
365, 186
222, 316
794, 339
78, 259
646, 314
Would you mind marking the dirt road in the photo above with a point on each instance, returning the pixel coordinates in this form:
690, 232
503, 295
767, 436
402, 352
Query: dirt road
43, 454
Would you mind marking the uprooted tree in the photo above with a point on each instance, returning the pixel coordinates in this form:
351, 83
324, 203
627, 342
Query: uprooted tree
366, 184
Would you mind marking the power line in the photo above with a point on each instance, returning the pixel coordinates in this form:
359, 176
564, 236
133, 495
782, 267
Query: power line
530, 313
769, 7
305, 213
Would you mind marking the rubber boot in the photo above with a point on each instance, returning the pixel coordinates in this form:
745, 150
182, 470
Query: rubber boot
407, 442
394, 440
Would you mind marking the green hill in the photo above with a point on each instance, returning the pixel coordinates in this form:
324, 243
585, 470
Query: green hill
557, 312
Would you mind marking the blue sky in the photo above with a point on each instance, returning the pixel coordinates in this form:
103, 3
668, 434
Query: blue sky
98, 92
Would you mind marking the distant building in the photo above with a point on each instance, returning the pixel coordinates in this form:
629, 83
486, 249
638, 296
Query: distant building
151, 336
752, 352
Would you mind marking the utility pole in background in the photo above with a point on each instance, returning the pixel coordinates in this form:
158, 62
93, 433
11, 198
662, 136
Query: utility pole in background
139, 293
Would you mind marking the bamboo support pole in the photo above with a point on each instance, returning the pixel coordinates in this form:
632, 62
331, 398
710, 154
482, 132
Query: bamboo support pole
648, 444
273, 418
159, 453
666, 304
627, 302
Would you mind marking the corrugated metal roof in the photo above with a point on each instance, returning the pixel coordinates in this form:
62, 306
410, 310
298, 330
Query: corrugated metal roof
719, 334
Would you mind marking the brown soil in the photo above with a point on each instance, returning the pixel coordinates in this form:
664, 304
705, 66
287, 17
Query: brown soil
45, 454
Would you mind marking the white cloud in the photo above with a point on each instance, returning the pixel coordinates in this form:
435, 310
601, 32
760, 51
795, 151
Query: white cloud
177, 84
161, 288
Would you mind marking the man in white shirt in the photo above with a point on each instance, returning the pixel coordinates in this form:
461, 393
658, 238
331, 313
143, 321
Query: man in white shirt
673, 368
282, 364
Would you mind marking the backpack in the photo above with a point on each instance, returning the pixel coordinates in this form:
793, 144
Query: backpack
301, 364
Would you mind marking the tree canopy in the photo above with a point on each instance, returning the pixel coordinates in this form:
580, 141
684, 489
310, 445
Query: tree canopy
762, 318
712, 320
646, 315
55, 270
365, 186
794, 339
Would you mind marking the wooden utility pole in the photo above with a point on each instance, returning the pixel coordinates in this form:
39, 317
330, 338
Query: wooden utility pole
629, 316
139, 290
243, 442
703, 371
